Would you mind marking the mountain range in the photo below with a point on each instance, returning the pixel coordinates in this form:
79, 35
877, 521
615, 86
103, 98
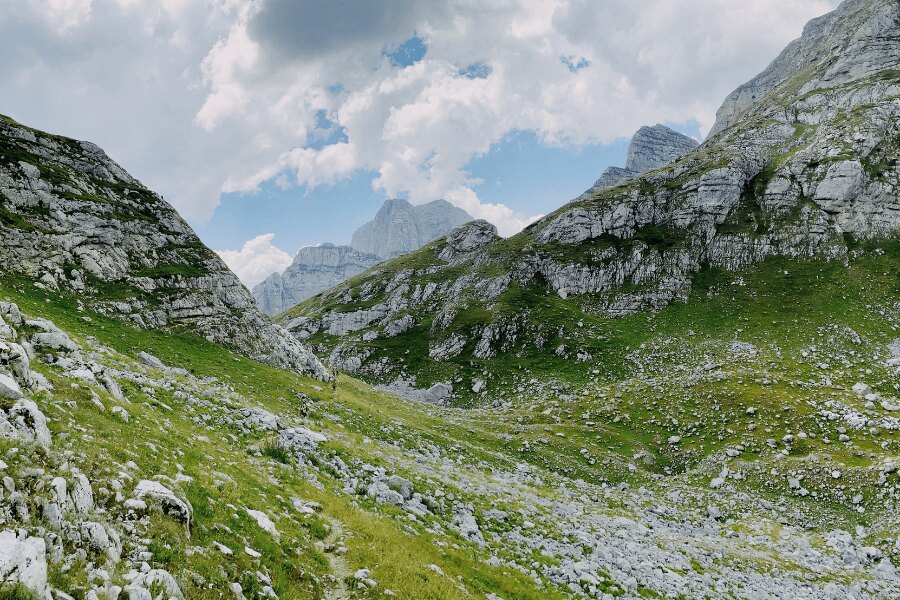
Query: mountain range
682, 384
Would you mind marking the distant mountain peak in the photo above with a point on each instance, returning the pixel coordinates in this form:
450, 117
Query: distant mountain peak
651, 147
398, 228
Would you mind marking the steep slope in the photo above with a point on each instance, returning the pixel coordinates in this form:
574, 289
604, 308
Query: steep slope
809, 171
398, 228
650, 148
73, 219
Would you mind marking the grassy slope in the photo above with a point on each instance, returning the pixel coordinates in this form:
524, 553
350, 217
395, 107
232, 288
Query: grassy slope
798, 314
160, 435
603, 413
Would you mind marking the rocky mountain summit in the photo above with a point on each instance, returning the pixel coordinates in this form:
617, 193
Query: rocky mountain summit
398, 228
71, 218
809, 170
315, 269
650, 148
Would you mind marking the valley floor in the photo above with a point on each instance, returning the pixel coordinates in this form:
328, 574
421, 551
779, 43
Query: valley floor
718, 468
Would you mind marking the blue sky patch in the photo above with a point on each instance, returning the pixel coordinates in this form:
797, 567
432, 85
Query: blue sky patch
477, 70
408, 53
575, 63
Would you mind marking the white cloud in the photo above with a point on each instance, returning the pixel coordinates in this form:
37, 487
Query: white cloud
258, 259
418, 127
196, 98
63, 14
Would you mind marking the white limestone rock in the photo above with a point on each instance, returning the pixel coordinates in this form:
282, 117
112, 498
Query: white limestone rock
165, 500
25, 421
23, 560
264, 522
9, 388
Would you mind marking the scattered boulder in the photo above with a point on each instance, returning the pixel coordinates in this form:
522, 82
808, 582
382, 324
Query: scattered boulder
164, 500
81, 494
402, 486
9, 388
464, 522
861, 389
150, 360
155, 579
25, 421
23, 561
438, 393
383, 494
264, 522
301, 438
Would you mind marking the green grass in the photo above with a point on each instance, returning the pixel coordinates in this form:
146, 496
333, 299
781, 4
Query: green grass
16, 592
276, 451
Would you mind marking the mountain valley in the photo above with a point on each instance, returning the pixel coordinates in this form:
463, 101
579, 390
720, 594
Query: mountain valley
684, 383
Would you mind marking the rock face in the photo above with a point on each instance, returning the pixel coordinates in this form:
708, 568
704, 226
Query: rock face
868, 44
398, 228
315, 268
650, 148
72, 219
804, 164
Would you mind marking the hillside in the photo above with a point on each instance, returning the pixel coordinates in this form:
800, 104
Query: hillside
684, 386
807, 171
72, 219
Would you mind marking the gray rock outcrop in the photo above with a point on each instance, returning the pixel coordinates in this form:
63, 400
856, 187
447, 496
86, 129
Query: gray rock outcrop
23, 561
72, 219
398, 228
650, 148
315, 268
849, 44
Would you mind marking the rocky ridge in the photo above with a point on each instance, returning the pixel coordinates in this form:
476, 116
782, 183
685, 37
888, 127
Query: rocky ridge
315, 268
809, 170
73, 219
398, 228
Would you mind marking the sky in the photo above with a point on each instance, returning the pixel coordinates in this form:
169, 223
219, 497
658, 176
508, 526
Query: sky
273, 124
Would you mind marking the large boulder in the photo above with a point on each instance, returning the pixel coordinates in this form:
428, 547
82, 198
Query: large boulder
9, 388
164, 500
25, 422
23, 561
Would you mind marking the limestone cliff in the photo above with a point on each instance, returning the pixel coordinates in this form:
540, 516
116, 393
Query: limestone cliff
73, 219
399, 227
315, 268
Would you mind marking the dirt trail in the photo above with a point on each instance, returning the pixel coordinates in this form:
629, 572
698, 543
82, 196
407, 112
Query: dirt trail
340, 568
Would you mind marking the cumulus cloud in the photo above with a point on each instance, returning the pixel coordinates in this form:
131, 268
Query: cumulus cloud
258, 259
199, 98
573, 72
